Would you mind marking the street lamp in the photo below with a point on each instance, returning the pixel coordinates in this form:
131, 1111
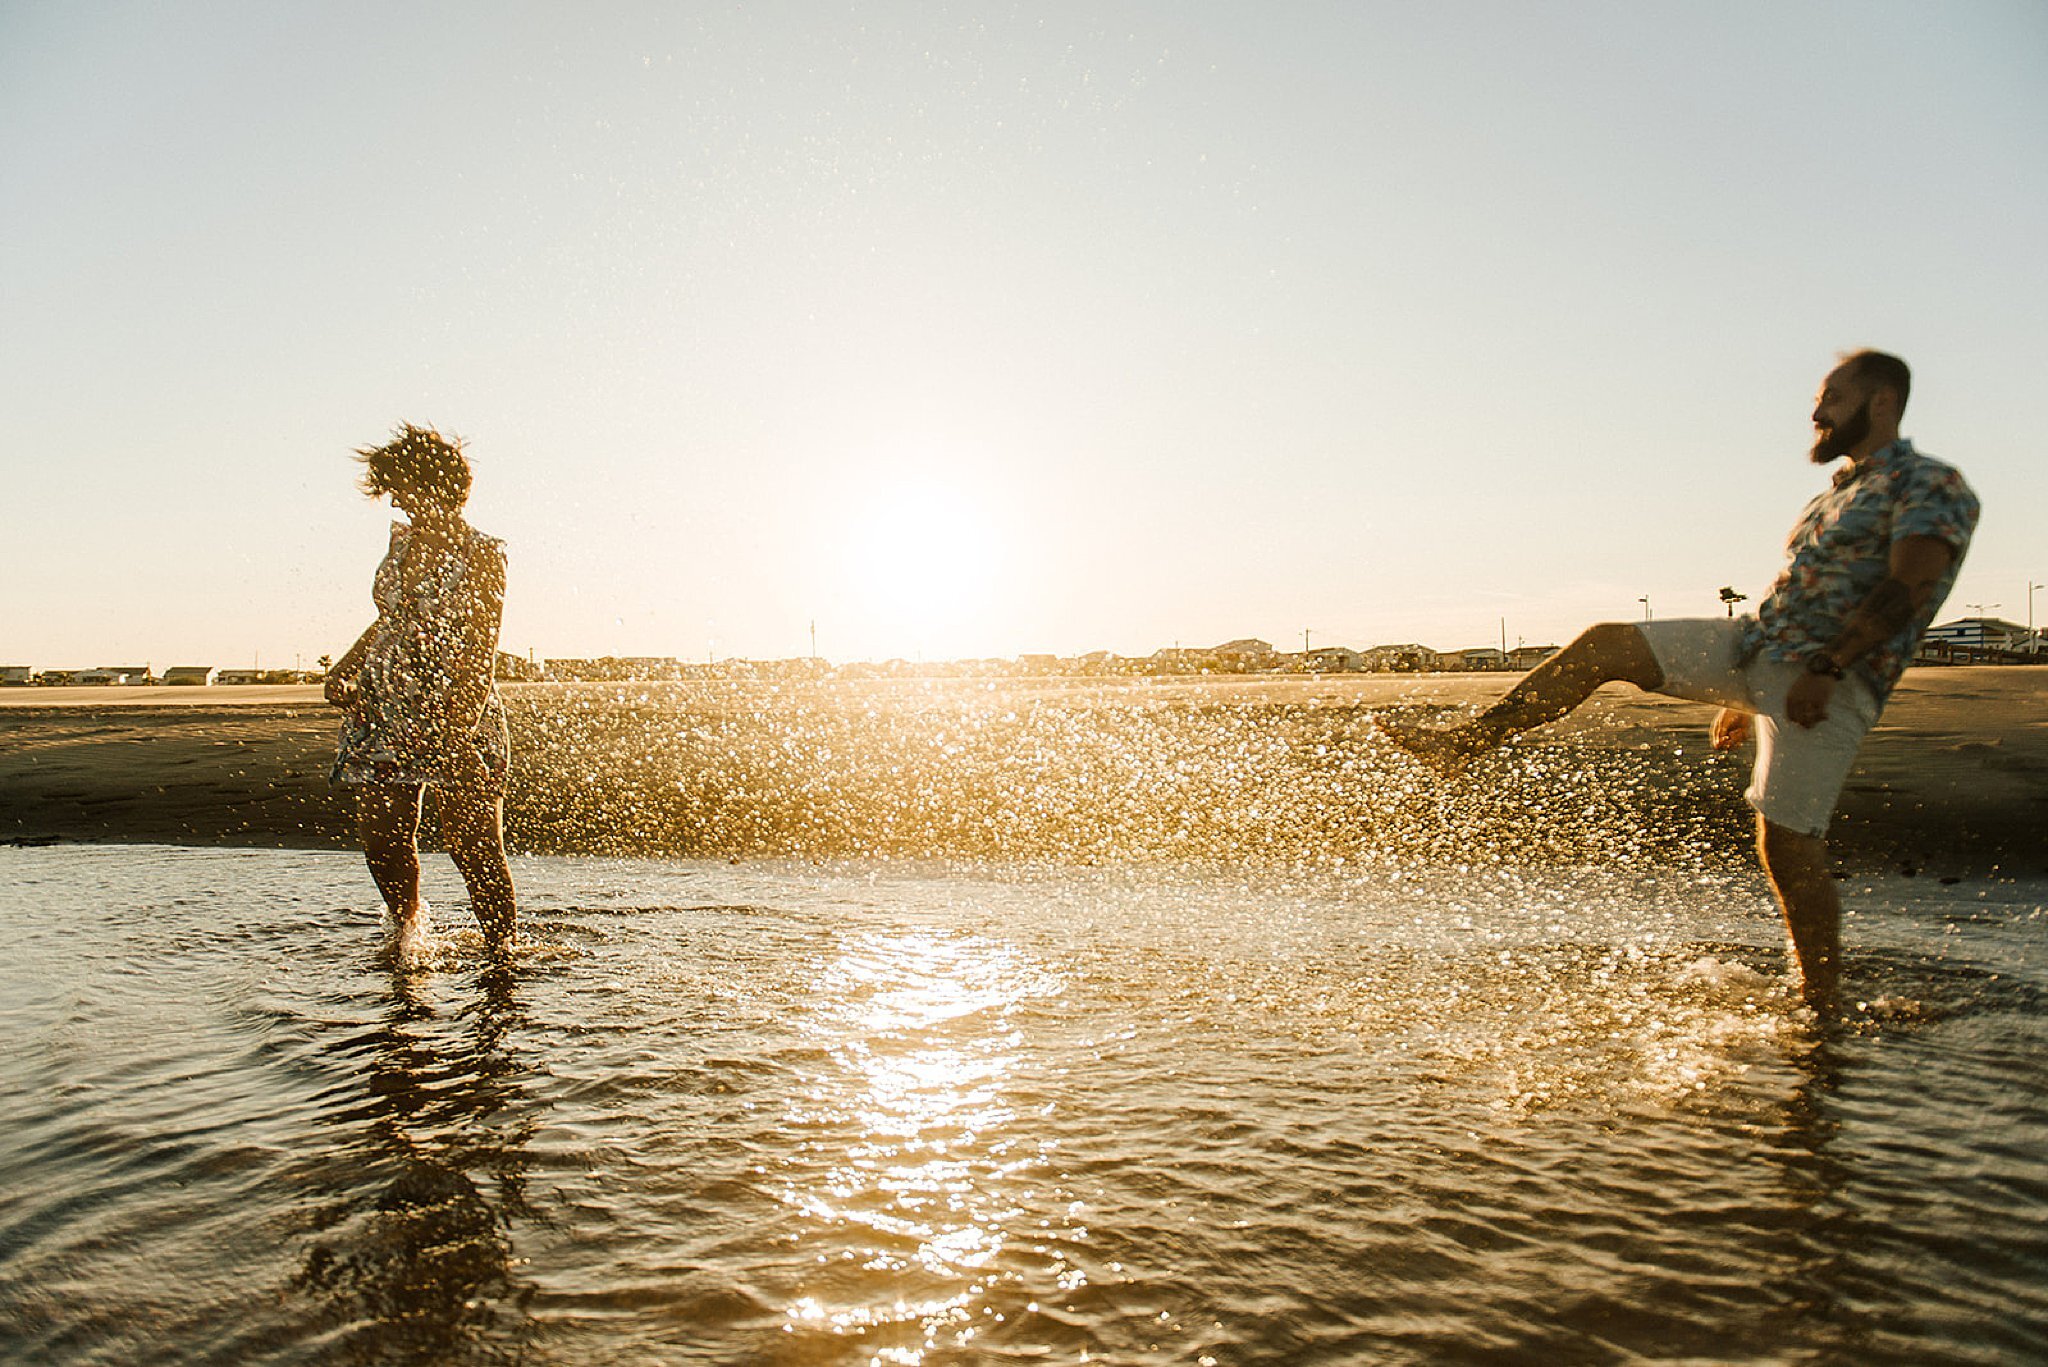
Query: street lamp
1982, 612
2033, 641
1645, 601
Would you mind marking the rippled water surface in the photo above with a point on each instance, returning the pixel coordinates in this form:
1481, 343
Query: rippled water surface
853, 1113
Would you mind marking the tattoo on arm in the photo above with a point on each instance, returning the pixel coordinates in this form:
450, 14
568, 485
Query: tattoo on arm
1887, 610
1890, 605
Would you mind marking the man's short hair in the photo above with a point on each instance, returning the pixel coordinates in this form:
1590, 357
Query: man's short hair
1880, 370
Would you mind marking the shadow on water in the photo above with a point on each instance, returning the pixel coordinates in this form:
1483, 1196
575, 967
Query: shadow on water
411, 1257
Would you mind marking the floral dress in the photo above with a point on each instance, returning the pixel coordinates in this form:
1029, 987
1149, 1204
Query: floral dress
397, 726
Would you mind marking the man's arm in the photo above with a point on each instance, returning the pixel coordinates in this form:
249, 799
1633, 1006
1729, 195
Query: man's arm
1916, 565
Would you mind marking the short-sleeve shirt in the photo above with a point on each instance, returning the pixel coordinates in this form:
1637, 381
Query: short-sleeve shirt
1840, 550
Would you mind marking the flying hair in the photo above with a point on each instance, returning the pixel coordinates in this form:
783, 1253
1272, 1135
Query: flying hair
419, 459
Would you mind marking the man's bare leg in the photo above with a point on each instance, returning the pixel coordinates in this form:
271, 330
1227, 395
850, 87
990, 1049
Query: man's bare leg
1608, 653
1797, 865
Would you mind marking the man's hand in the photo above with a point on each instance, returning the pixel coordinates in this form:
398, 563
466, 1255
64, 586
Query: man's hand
1730, 729
1806, 702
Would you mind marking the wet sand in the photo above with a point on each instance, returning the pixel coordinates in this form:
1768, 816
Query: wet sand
1956, 777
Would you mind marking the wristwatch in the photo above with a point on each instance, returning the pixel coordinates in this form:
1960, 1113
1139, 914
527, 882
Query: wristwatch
1820, 662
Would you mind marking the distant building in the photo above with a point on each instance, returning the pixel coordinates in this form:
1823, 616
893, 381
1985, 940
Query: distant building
236, 677
1245, 654
1106, 662
1973, 639
1528, 657
188, 675
1483, 658
115, 674
1408, 658
1333, 660
1977, 633
16, 675
1176, 660
512, 669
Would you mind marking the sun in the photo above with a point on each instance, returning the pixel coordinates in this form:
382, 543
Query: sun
924, 554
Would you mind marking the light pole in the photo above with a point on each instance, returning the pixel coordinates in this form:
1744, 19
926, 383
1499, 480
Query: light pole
2033, 641
1645, 601
1981, 611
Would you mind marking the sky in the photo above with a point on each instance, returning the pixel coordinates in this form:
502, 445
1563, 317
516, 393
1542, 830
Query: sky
976, 330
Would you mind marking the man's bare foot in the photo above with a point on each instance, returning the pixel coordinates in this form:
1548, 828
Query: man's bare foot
1445, 749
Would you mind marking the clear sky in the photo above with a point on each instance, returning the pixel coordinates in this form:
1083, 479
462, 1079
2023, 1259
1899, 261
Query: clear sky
982, 329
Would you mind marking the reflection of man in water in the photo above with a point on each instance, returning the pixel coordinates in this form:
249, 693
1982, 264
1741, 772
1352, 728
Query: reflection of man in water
1868, 565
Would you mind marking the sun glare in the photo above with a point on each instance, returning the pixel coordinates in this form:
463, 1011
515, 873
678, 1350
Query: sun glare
923, 555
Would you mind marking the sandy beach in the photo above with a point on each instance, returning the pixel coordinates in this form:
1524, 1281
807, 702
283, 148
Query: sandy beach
1956, 777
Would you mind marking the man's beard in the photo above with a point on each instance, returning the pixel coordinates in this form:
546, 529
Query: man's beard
1839, 441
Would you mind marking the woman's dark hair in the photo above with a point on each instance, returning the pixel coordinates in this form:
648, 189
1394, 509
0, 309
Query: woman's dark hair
418, 459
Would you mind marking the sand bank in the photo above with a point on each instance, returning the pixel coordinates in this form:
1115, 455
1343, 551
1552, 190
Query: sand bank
1274, 769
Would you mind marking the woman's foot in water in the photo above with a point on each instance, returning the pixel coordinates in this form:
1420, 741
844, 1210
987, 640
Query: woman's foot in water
411, 935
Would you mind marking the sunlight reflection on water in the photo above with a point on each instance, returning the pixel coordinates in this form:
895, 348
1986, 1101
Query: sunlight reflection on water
920, 1027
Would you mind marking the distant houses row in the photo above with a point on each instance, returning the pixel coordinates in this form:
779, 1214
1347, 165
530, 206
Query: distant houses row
1966, 640
1247, 656
509, 667
138, 675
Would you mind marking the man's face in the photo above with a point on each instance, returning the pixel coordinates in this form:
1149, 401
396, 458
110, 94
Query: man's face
1841, 418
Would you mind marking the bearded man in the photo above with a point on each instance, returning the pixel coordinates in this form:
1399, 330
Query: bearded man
1868, 565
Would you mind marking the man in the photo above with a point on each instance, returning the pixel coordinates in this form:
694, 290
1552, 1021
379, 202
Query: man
1868, 565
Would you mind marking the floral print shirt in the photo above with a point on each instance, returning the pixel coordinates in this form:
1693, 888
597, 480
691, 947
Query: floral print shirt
1840, 550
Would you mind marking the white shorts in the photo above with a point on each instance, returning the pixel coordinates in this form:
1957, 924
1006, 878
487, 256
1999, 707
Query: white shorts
1799, 770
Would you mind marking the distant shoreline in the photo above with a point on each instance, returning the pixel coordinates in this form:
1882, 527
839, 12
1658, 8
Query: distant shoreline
1956, 776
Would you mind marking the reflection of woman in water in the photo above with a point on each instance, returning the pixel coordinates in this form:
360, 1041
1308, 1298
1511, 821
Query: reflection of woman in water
411, 1254
422, 709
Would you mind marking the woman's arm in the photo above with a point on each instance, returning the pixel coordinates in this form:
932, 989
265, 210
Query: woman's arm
341, 675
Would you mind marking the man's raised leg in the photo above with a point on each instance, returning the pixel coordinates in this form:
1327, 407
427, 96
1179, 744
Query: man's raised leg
1611, 652
1797, 865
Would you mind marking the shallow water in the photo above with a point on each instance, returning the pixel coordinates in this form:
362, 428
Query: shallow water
874, 1112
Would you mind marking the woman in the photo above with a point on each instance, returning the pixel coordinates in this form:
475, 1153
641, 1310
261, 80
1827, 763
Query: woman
423, 711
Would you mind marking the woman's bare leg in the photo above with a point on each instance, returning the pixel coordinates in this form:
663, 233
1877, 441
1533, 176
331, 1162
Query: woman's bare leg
473, 824
388, 823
